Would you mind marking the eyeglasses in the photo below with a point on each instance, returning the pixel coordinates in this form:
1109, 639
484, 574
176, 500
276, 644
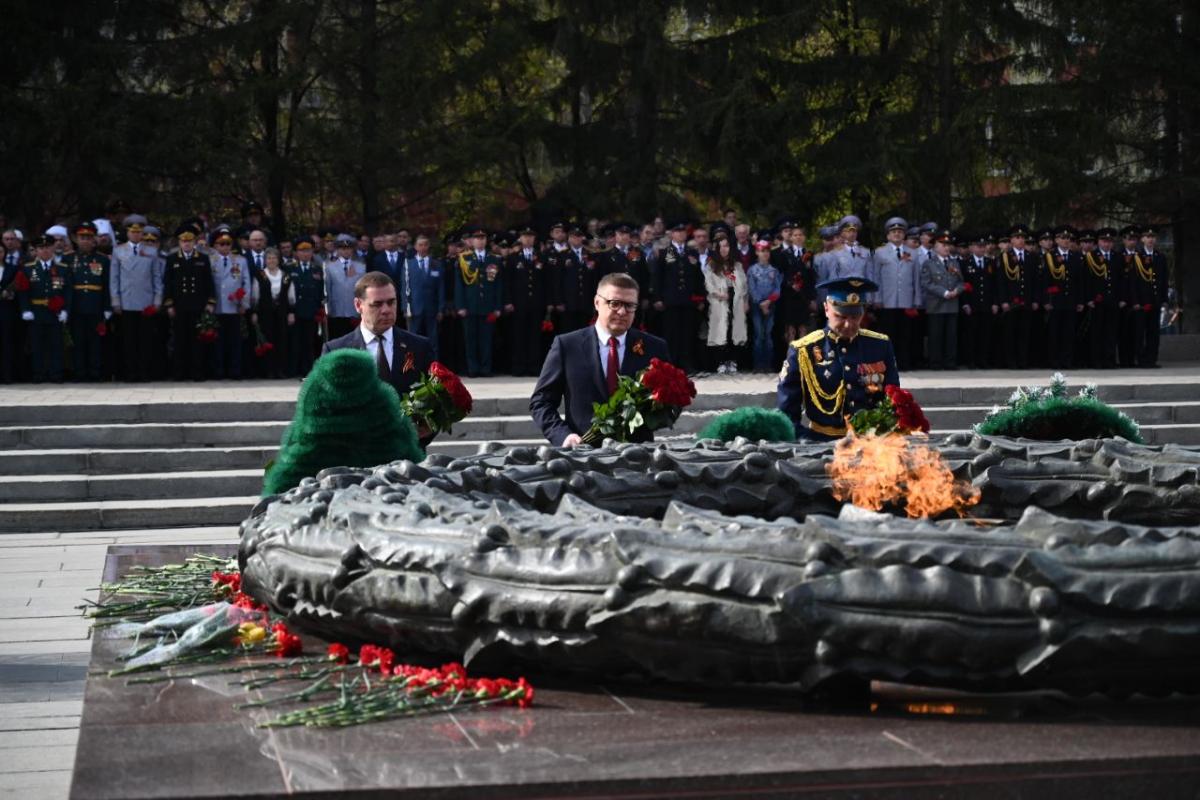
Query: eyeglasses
618, 305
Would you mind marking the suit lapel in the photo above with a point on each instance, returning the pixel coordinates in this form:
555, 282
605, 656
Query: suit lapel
592, 343
633, 363
399, 355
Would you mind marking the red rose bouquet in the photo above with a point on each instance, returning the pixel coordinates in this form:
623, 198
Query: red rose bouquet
206, 328
438, 400
898, 412
652, 400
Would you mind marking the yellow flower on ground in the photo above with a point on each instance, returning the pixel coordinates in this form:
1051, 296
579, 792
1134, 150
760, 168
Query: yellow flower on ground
249, 633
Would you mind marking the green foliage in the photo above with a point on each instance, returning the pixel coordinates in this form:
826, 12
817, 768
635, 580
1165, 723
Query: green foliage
367, 113
752, 422
345, 417
627, 411
1048, 413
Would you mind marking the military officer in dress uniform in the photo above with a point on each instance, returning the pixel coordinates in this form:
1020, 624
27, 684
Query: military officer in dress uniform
975, 304
843, 368
526, 304
1010, 301
341, 273
135, 283
91, 302
308, 279
1103, 295
231, 288
1150, 280
574, 275
478, 297
46, 305
798, 292
188, 291
899, 295
677, 289
1058, 292
1126, 342
626, 257
941, 283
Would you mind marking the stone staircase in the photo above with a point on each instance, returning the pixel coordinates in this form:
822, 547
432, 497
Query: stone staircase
165, 464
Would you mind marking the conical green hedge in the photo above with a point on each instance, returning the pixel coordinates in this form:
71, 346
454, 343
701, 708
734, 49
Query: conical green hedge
752, 422
345, 417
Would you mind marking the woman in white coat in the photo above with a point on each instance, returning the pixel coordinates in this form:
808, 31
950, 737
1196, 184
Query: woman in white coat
728, 306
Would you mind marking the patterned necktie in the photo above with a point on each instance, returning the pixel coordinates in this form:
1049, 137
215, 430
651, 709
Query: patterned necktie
613, 365
381, 363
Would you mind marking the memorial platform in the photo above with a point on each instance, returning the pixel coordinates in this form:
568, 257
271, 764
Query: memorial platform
184, 739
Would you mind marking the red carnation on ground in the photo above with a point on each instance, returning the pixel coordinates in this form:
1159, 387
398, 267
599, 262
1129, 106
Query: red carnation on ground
227, 583
56, 304
21, 282
150, 310
339, 653
668, 384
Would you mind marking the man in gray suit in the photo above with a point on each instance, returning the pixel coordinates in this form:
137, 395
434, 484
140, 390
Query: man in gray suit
942, 283
136, 289
341, 274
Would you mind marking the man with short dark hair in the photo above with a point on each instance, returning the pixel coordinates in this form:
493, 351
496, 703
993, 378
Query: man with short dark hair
584, 366
401, 357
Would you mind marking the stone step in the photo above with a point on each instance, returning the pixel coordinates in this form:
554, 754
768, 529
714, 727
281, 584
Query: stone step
131, 486
86, 461
953, 389
121, 514
143, 435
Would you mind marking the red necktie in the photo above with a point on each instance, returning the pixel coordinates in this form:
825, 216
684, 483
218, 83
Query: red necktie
613, 364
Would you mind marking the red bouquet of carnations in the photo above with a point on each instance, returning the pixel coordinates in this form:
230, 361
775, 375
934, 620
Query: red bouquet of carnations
438, 400
643, 404
898, 412
206, 328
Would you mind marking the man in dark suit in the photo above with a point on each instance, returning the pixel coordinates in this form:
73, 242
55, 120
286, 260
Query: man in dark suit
403, 356
583, 366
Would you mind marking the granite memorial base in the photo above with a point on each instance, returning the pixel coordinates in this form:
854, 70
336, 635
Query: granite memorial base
584, 739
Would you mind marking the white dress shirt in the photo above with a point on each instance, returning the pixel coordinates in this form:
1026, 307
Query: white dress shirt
373, 343
604, 336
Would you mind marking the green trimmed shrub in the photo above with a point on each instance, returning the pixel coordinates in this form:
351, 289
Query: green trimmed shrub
345, 417
1037, 412
752, 422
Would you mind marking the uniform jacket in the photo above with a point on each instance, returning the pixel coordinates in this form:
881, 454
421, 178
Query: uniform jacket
1102, 277
188, 283
308, 280
572, 374
136, 282
816, 367
90, 289
898, 277
525, 282
411, 355
340, 277
1012, 283
45, 284
1062, 278
938, 276
574, 278
677, 278
231, 284
981, 276
480, 287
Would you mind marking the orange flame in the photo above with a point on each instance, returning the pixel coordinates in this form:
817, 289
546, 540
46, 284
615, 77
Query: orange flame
874, 471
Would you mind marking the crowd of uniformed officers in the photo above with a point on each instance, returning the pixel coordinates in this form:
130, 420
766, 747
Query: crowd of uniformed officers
121, 300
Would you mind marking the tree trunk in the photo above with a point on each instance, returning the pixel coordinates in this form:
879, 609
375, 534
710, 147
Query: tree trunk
369, 116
